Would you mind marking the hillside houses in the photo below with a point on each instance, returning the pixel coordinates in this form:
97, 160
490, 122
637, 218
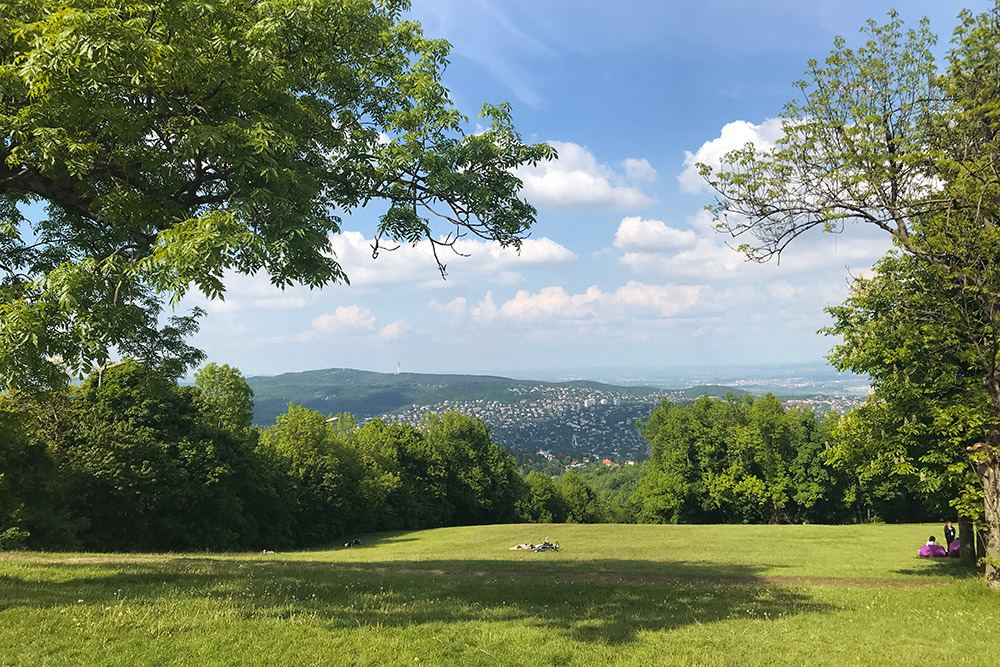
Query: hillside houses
562, 420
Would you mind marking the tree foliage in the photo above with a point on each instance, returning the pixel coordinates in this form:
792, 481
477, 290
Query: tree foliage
404, 483
748, 460
543, 502
482, 484
582, 503
324, 480
130, 460
173, 141
860, 144
34, 509
929, 403
145, 470
225, 397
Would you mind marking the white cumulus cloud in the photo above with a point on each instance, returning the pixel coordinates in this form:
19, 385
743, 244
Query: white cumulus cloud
344, 317
733, 135
577, 180
634, 300
246, 292
456, 308
665, 300
702, 254
415, 265
782, 290
651, 235
552, 302
394, 330
485, 310
638, 169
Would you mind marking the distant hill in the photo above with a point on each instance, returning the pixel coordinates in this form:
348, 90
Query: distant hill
368, 394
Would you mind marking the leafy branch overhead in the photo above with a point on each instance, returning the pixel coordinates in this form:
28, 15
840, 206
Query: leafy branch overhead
861, 144
175, 141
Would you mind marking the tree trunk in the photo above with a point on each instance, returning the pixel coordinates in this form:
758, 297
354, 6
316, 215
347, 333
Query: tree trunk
967, 540
986, 459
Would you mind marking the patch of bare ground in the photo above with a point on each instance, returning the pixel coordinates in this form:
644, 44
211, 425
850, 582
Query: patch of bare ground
627, 577
603, 577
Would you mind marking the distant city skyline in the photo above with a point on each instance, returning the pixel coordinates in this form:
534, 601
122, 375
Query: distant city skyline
623, 268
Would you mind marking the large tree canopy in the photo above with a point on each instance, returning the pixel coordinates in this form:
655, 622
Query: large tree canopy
881, 137
173, 140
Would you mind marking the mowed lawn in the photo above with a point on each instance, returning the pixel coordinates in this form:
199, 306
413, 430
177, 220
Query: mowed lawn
631, 595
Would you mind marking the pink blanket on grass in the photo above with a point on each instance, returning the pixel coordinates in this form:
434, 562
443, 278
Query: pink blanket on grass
953, 548
932, 551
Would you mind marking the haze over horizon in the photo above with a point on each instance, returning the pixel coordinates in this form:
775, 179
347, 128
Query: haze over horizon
623, 268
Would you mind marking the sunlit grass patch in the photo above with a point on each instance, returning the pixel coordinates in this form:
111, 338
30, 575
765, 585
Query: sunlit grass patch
458, 596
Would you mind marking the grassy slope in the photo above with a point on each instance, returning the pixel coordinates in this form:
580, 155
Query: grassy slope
458, 596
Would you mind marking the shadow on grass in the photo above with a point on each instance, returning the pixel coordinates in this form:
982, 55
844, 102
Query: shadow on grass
940, 567
369, 540
591, 604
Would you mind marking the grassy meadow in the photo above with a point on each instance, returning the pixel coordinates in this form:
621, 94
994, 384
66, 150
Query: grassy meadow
614, 594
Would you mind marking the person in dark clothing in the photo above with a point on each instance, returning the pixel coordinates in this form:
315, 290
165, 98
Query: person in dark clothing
949, 534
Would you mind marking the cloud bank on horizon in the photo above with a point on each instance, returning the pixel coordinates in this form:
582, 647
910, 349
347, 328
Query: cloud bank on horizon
624, 267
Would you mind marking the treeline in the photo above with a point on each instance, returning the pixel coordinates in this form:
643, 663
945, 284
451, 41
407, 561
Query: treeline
130, 460
746, 459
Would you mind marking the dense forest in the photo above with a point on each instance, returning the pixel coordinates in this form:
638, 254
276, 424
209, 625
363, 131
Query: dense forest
747, 459
131, 460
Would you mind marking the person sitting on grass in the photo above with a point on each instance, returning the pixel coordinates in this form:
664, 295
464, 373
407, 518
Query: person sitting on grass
932, 549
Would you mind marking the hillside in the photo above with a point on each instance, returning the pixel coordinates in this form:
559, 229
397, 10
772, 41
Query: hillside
367, 394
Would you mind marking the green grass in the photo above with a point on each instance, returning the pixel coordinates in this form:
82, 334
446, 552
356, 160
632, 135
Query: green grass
630, 595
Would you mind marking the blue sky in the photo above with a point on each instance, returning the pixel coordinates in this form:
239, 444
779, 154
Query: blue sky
623, 267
